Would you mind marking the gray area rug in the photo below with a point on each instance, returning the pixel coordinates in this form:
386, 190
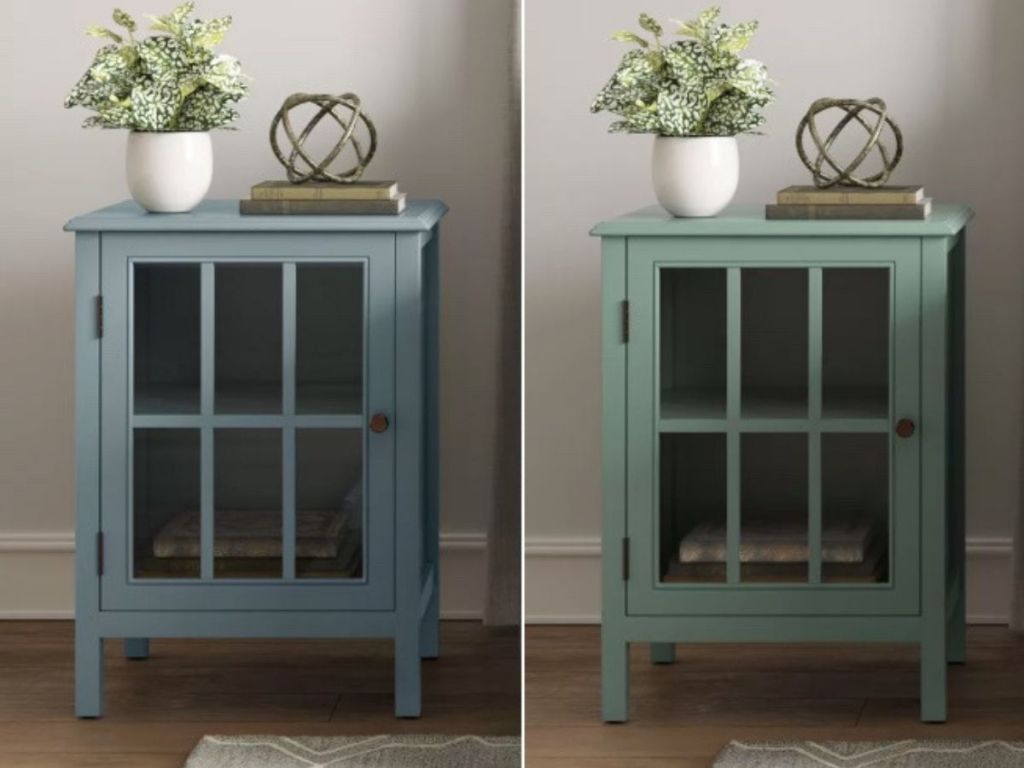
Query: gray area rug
877, 754
352, 751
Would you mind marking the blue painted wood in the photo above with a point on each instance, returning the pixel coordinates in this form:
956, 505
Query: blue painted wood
410, 473
88, 647
922, 602
397, 596
136, 648
223, 216
430, 639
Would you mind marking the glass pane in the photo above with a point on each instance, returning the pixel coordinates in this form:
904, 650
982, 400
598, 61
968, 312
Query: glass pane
774, 348
165, 503
329, 339
692, 507
855, 343
247, 344
693, 343
165, 330
855, 507
247, 509
773, 507
329, 503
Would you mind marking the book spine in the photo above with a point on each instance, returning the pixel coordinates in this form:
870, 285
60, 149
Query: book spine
844, 212
848, 197
299, 192
321, 207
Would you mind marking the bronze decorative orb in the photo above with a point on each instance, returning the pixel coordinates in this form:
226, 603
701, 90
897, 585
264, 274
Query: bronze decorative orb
870, 114
347, 111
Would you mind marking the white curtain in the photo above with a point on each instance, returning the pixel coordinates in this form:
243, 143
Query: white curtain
504, 535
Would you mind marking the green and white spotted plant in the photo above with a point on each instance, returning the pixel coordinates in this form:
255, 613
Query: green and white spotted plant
698, 86
170, 81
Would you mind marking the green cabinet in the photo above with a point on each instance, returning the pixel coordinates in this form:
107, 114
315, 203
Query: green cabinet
783, 441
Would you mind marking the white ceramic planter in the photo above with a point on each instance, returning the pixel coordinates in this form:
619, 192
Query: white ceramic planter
695, 176
169, 172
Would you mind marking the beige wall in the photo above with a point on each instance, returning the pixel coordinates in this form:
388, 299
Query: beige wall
950, 72
432, 76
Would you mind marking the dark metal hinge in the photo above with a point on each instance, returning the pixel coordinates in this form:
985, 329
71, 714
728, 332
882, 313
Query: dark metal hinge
99, 553
625, 559
99, 317
625, 322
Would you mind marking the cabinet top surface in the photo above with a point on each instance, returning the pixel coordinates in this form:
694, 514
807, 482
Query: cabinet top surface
749, 221
223, 216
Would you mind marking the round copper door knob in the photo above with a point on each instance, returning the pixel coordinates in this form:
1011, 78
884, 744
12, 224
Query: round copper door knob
379, 423
904, 427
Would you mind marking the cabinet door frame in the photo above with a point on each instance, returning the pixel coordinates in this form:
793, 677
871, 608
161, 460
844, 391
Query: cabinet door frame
119, 590
645, 593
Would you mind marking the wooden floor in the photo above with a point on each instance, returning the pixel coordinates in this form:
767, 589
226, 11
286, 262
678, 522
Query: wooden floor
683, 714
156, 710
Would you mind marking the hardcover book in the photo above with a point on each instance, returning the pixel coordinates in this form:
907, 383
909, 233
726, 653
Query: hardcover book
909, 212
320, 190
810, 195
321, 207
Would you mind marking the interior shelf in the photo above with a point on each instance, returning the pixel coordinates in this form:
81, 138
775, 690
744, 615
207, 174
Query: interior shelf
256, 399
860, 403
693, 403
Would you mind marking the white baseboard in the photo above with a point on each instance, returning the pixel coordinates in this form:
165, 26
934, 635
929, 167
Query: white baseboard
563, 580
37, 575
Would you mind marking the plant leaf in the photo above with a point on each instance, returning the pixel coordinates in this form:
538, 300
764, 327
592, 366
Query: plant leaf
650, 24
124, 19
97, 31
625, 36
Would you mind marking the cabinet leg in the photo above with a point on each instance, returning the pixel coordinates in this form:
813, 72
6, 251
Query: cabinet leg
88, 673
933, 680
430, 629
663, 653
407, 674
956, 632
136, 647
614, 678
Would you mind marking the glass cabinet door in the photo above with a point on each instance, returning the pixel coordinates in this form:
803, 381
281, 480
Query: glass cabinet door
772, 441
247, 447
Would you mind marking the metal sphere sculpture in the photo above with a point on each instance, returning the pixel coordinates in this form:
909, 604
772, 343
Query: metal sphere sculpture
346, 110
875, 123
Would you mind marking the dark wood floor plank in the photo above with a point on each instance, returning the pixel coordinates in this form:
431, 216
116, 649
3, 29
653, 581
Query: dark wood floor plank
157, 709
683, 714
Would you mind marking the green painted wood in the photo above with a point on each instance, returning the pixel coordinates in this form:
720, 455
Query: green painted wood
935, 315
663, 653
749, 221
223, 216
733, 409
614, 648
956, 629
647, 594
921, 601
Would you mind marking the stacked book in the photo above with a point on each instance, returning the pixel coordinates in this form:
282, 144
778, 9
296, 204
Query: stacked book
276, 198
779, 551
805, 202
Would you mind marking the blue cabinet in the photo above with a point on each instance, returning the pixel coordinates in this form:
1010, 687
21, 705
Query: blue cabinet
256, 431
